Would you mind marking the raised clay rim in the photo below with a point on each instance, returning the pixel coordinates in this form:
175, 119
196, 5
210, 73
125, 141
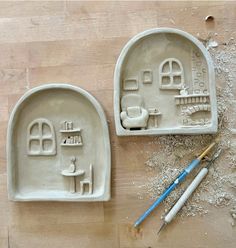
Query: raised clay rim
120, 131
105, 196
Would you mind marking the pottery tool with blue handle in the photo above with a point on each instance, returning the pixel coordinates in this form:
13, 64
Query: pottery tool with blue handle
173, 185
188, 192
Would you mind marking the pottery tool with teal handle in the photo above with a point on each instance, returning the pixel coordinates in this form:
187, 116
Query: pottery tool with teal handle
180, 178
188, 192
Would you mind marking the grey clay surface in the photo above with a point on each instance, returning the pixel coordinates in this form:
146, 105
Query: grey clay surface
164, 83
58, 146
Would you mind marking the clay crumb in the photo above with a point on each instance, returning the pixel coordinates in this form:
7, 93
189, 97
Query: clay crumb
211, 44
174, 152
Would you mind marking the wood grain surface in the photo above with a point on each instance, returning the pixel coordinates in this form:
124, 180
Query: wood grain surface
79, 43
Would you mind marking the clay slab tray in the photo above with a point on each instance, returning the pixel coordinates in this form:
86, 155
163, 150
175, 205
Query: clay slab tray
58, 146
164, 83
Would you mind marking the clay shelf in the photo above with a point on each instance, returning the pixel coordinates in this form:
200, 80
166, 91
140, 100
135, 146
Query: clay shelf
71, 131
80, 144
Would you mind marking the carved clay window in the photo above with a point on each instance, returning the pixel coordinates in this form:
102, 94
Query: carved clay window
41, 138
171, 74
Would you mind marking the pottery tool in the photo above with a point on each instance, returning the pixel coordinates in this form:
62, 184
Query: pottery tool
174, 184
188, 192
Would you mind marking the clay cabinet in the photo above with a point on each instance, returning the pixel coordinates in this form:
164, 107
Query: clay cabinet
164, 84
58, 146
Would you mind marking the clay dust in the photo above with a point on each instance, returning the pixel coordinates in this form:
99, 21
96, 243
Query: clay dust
174, 152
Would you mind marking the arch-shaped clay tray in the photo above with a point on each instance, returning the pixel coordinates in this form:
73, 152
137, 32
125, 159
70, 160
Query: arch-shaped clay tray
58, 146
164, 83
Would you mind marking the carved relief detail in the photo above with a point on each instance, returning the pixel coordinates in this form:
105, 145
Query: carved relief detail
41, 138
171, 74
87, 181
72, 172
196, 108
133, 114
70, 136
130, 84
147, 77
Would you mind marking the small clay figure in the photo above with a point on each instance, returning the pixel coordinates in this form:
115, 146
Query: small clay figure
72, 166
183, 91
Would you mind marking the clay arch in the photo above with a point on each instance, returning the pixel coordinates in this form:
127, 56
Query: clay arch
40, 138
171, 71
118, 80
17, 141
193, 109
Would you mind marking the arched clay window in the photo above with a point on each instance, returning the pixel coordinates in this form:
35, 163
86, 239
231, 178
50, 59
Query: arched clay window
171, 74
41, 138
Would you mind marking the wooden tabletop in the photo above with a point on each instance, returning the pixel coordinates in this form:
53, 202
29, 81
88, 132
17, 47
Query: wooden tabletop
79, 43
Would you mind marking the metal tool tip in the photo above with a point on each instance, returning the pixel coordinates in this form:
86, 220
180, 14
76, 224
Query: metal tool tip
162, 226
136, 225
217, 154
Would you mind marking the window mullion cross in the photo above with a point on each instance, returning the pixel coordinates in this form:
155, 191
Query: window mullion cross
171, 73
41, 136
